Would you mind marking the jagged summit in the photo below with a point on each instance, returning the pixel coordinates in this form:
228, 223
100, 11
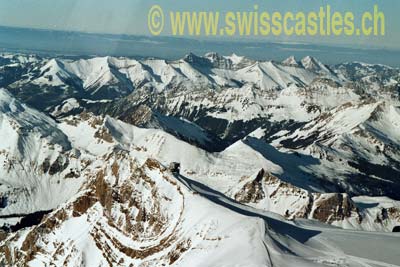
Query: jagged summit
312, 64
292, 62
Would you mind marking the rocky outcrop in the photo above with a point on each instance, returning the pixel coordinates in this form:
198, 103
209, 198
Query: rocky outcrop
252, 192
292, 202
120, 202
329, 208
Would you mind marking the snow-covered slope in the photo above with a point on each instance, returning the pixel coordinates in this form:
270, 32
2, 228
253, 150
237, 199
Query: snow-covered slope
356, 145
35, 155
128, 215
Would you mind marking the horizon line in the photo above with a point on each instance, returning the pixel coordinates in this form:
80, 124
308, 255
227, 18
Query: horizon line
211, 39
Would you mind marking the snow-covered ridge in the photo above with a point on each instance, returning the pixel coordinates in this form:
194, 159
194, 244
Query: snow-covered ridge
192, 72
35, 155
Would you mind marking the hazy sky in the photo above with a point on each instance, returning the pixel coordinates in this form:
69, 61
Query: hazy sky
130, 16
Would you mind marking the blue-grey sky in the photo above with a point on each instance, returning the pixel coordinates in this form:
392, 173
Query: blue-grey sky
130, 16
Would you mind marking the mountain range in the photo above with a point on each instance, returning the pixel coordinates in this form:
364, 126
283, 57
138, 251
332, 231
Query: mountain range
292, 163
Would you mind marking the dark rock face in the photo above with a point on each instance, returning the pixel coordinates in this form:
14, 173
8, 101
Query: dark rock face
58, 166
3, 202
27, 220
334, 207
252, 192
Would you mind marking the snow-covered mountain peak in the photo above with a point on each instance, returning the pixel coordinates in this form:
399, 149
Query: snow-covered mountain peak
219, 61
196, 60
312, 64
236, 59
291, 61
53, 73
52, 64
213, 56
